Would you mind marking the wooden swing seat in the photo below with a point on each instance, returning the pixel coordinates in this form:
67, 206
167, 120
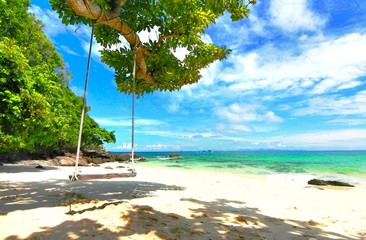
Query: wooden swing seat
103, 176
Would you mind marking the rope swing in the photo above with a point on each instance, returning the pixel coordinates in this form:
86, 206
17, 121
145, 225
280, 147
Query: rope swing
75, 176
131, 172
133, 112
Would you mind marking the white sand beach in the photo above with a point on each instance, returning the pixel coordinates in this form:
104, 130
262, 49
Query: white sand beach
170, 204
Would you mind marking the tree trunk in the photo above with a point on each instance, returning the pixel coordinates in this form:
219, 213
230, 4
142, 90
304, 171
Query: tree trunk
91, 10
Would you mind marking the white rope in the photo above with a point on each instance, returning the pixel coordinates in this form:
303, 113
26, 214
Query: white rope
76, 171
133, 114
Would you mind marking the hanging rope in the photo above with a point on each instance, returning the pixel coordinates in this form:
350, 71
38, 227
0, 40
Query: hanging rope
133, 113
76, 173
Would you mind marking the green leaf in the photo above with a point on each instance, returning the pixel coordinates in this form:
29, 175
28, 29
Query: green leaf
177, 23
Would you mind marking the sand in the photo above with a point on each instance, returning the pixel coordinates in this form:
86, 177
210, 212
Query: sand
171, 204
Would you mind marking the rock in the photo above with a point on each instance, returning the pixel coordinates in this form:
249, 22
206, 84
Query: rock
90, 153
124, 157
320, 182
121, 167
39, 166
98, 157
95, 160
174, 155
68, 154
68, 161
127, 157
1, 164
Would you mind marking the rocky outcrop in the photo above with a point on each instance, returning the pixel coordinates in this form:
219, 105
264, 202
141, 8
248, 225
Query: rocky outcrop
98, 157
174, 155
86, 158
68, 161
320, 182
127, 157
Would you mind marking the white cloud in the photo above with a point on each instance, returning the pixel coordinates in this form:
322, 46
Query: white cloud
124, 146
290, 70
257, 24
240, 113
206, 38
126, 122
203, 135
148, 122
173, 107
335, 139
53, 25
209, 74
334, 105
235, 35
348, 122
156, 147
153, 35
237, 118
322, 67
113, 122
233, 128
342, 139
77, 90
349, 85
271, 117
68, 50
96, 47
161, 147
294, 15
180, 53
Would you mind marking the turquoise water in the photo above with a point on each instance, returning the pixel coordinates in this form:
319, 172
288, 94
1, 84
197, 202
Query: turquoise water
265, 162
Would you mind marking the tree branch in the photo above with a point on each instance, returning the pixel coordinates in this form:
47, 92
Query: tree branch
91, 10
162, 38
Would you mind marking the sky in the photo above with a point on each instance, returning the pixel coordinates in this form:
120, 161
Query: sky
295, 80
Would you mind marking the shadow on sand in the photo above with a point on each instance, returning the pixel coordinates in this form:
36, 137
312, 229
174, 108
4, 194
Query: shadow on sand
30, 195
24, 169
220, 219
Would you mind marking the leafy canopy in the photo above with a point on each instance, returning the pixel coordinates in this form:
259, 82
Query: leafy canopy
38, 111
176, 24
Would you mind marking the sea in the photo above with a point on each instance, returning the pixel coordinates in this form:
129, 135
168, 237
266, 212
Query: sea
331, 164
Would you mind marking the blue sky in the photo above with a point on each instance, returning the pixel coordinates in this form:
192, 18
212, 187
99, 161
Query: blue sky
294, 80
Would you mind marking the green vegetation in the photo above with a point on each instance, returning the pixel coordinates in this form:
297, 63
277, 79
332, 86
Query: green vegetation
176, 23
39, 114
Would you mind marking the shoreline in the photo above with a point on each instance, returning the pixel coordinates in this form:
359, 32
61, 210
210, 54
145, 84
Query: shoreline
172, 204
250, 172
302, 178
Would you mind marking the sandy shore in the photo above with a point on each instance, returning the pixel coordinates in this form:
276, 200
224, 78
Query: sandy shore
168, 204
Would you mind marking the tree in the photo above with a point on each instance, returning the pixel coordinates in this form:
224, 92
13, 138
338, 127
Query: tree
178, 24
93, 136
38, 111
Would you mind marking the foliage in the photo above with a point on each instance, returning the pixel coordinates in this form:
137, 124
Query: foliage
38, 112
177, 24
